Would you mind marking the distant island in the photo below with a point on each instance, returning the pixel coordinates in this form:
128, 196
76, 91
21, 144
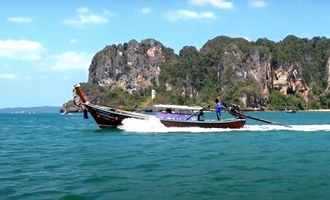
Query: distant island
292, 73
39, 109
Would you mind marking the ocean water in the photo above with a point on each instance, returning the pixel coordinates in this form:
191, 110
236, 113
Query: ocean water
50, 156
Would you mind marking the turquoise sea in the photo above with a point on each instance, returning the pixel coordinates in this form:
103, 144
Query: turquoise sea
50, 156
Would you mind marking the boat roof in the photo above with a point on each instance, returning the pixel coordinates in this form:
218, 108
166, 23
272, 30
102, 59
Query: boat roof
177, 107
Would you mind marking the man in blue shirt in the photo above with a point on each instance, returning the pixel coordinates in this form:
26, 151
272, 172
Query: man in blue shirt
218, 108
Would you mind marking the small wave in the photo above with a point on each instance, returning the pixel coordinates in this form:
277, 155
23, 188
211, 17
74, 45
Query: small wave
153, 125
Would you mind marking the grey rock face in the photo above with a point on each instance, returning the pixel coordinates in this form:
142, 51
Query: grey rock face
233, 64
69, 107
132, 66
259, 69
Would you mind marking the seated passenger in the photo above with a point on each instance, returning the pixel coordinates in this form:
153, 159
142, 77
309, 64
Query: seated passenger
200, 116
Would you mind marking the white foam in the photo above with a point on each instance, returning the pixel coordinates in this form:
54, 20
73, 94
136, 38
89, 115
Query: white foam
153, 125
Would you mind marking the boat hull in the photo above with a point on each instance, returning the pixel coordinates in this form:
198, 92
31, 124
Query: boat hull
109, 117
231, 124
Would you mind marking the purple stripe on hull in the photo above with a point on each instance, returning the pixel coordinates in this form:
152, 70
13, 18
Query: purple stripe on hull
174, 116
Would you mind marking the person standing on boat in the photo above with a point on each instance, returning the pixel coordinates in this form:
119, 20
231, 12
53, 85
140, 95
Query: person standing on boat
218, 108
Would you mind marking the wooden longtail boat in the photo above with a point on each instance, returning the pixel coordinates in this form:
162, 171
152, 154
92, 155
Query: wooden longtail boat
107, 117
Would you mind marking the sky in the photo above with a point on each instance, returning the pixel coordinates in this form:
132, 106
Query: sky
46, 46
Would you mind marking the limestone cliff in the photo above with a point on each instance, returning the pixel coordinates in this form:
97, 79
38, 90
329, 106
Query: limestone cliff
236, 64
238, 70
132, 66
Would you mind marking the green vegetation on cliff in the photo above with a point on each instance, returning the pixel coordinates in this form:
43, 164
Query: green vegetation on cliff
217, 71
279, 101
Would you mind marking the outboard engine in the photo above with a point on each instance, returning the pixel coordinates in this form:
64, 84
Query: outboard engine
235, 111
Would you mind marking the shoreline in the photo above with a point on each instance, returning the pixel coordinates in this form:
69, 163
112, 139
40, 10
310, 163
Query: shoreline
243, 110
316, 110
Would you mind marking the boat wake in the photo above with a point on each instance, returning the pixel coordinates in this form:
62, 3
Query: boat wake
153, 125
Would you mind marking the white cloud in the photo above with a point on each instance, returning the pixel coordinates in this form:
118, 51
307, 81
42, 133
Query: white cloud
247, 38
20, 20
241, 36
183, 14
145, 11
82, 10
21, 49
257, 3
220, 4
71, 60
7, 76
85, 17
73, 41
27, 50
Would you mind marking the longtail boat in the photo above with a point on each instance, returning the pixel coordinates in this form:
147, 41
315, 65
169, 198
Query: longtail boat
107, 117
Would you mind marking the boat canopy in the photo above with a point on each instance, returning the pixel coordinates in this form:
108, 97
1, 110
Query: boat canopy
177, 107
